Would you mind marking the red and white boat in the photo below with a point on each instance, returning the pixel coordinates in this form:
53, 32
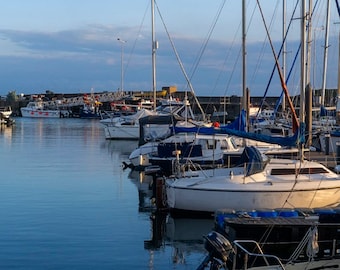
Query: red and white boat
37, 109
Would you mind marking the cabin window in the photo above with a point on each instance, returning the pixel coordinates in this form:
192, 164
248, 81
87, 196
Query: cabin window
277, 131
301, 171
224, 144
211, 144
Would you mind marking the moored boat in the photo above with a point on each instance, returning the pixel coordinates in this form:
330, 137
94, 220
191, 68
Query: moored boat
5, 115
37, 109
272, 183
5, 112
275, 239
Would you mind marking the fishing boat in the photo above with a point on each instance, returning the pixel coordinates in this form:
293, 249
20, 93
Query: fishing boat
38, 109
91, 107
89, 111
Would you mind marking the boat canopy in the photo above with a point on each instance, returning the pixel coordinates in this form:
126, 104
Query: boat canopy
167, 120
252, 157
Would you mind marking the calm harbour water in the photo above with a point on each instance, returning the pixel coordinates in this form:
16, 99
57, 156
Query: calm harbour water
67, 203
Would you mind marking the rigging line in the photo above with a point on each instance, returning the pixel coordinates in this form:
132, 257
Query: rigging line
181, 65
233, 70
294, 61
135, 42
295, 58
226, 59
337, 7
283, 84
279, 54
288, 77
261, 54
239, 52
204, 45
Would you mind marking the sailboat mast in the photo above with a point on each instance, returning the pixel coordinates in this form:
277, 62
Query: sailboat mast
244, 73
154, 48
338, 92
284, 49
303, 75
308, 89
325, 56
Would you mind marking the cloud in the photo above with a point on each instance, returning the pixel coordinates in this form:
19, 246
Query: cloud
76, 60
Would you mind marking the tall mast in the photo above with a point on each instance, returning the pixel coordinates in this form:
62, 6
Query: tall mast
303, 74
338, 92
308, 89
244, 74
284, 49
325, 56
154, 48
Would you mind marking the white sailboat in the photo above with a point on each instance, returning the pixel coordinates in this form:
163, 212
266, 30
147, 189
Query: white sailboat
273, 183
277, 183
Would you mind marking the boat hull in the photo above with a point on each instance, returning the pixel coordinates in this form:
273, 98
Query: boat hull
123, 133
41, 113
194, 196
140, 156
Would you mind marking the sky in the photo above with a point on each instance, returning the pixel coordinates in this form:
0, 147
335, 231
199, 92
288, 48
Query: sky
72, 46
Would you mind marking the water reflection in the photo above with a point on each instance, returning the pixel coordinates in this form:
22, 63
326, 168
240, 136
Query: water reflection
6, 131
144, 185
62, 180
123, 148
183, 235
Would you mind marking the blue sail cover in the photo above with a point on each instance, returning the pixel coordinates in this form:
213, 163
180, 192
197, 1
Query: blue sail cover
283, 141
325, 112
238, 124
237, 128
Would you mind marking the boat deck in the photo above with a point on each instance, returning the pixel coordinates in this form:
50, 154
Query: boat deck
329, 161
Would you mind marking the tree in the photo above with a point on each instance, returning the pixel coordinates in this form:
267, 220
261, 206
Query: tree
11, 97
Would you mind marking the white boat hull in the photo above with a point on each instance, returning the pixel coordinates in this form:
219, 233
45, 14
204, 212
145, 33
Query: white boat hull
212, 200
120, 132
140, 156
5, 112
40, 113
258, 191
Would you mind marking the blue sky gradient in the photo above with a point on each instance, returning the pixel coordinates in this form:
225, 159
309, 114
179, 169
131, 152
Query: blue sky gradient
71, 46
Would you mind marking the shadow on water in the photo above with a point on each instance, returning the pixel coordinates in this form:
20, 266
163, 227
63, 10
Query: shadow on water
183, 235
143, 184
124, 148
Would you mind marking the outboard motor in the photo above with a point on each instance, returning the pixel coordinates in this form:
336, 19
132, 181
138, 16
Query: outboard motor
219, 249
